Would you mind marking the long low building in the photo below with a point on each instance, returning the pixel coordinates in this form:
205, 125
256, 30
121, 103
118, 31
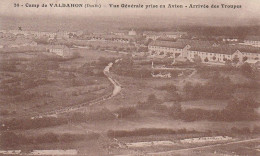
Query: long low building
155, 35
60, 50
207, 51
252, 40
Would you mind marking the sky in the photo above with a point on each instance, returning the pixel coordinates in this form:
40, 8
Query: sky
250, 8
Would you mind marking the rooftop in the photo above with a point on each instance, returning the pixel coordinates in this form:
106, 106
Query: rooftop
207, 46
164, 33
178, 45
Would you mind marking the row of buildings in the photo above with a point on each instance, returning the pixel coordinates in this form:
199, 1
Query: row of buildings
38, 34
60, 50
206, 139
252, 40
206, 51
155, 35
111, 37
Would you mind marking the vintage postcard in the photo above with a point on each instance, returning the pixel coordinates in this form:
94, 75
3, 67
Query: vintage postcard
130, 77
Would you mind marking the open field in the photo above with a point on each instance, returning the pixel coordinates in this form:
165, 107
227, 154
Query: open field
58, 79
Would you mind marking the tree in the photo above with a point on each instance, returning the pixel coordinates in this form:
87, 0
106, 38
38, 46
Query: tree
148, 42
244, 59
228, 62
235, 59
206, 60
241, 110
125, 112
197, 59
168, 55
152, 99
247, 70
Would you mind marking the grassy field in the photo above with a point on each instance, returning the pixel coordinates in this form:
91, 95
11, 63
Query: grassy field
63, 84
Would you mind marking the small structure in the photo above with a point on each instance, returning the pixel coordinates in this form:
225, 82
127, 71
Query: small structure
54, 152
60, 50
206, 139
155, 35
252, 40
10, 152
149, 144
132, 33
119, 33
161, 75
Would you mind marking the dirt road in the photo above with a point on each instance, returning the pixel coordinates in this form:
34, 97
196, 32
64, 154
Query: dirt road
203, 147
116, 90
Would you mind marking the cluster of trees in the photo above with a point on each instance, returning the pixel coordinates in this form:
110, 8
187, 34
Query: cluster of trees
168, 88
27, 123
245, 69
155, 104
126, 68
125, 112
245, 130
248, 71
217, 88
207, 72
10, 139
96, 68
151, 103
114, 47
35, 73
146, 132
236, 110
102, 115
142, 49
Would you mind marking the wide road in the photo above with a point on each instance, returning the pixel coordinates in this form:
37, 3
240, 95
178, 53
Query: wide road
174, 152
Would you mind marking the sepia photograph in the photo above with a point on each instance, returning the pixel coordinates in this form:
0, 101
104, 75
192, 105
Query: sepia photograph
129, 78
